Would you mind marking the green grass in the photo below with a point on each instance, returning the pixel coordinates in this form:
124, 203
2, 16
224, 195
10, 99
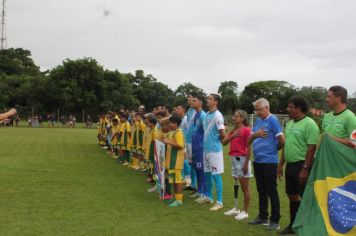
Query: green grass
60, 182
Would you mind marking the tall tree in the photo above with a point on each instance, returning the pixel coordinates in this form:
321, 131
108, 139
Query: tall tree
276, 92
229, 98
184, 90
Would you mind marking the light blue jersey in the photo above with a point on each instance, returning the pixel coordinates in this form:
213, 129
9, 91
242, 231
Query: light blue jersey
187, 127
265, 150
214, 121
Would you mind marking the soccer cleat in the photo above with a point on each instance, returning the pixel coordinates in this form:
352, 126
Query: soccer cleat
241, 216
216, 207
232, 212
169, 201
126, 163
199, 199
204, 200
152, 190
189, 188
273, 226
175, 204
194, 195
258, 221
167, 196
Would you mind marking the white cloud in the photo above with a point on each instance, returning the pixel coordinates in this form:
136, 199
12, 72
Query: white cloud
204, 42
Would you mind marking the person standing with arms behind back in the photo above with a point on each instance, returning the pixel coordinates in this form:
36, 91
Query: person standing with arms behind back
302, 137
340, 123
267, 138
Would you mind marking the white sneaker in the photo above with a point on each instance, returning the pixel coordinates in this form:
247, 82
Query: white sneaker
232, 212
199, 199
243, 215
152, 190
204, 200
216, 207
194, 195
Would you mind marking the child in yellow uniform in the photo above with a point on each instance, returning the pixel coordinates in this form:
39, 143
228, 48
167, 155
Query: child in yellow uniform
175, 158
151, 122
138, 139
145, 140
101, 131
125, 135
164, 133
115, 136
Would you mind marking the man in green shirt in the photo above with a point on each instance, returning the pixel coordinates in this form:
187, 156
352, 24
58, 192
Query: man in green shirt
340, 122
302, 137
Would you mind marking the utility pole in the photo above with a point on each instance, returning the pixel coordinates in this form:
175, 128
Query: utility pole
3, 31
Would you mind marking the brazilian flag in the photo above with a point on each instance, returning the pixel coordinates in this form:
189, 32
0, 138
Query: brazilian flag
328, 206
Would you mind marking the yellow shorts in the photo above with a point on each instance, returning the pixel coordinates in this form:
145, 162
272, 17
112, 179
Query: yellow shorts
175, 176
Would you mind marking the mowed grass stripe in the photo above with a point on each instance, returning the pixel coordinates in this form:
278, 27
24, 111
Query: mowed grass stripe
59, 182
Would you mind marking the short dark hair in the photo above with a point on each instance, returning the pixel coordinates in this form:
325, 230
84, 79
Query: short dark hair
199, 97
299, 102
115, 120
161, 113
152, 120
339, 91
216, 97
175, 119
124, 115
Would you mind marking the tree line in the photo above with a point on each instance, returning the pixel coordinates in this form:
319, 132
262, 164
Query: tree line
83, 83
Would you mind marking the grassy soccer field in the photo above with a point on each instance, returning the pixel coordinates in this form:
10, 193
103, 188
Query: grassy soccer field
60, 182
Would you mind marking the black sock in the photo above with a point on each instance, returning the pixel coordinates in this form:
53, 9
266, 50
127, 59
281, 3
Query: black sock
293, 208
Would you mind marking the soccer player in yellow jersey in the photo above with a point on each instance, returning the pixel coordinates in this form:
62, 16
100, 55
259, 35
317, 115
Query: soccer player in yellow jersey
164, 133
125, 135
175, 158
146, 134
115, 136
101, 131
151, 122
139, 131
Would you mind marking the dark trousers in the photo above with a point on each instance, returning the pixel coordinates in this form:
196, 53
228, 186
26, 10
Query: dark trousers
266, 181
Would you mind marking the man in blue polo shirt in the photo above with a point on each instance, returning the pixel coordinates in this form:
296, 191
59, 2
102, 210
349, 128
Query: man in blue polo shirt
267, 138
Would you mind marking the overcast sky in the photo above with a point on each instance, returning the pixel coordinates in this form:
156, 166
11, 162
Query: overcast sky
304, 42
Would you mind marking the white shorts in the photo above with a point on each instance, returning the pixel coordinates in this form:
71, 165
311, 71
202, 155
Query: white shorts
188, 152
214, 163
236, 170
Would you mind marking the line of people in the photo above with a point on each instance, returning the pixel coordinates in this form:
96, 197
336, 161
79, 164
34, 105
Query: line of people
194, 156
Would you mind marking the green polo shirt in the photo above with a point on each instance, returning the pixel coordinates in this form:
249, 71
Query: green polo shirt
300, 134
339, 125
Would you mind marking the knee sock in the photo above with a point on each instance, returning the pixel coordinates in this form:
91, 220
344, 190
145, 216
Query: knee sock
209, 185
186, 169
201, 181
236, 194
219, 186
293, 208
193, 176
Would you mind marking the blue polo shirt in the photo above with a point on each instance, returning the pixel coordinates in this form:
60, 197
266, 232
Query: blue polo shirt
265, 150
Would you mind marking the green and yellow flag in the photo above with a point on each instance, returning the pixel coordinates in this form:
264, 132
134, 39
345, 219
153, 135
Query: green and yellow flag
328, 206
